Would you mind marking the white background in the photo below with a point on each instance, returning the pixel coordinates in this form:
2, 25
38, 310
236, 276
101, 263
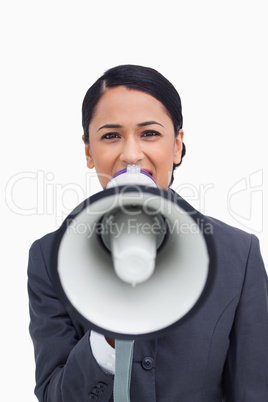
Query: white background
215, 54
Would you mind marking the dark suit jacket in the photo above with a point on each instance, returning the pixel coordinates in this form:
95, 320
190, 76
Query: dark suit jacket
221, 354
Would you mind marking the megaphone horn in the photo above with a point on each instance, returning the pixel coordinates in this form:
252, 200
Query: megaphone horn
133, 262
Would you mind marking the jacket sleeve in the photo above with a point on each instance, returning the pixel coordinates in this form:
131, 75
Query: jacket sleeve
246, 369
66, 370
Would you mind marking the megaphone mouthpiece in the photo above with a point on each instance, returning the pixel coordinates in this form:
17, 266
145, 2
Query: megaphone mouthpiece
133, 249
133, 174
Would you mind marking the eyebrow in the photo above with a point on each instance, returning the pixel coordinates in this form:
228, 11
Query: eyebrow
145, 123
148, 123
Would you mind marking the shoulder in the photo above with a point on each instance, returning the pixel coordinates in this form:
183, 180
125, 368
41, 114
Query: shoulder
231, 244
44, 244
40, 254
238, 255
218, 229
227, 232
229, 236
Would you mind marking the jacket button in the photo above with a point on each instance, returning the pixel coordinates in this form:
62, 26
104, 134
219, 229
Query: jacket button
93, 397
96, 391
147, 363
101, 386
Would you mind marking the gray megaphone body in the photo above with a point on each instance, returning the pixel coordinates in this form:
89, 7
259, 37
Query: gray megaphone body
132, 261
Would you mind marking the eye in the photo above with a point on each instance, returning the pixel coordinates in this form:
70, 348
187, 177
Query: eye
150, 133
110, 136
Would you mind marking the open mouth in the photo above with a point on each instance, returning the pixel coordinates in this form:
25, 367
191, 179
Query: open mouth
148, 171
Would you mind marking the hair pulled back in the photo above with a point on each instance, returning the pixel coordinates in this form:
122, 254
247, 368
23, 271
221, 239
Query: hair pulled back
140, 78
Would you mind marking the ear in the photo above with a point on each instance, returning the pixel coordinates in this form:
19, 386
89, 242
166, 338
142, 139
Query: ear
89, 159
178, 147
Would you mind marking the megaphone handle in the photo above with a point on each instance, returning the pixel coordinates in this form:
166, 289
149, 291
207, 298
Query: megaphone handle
123, 365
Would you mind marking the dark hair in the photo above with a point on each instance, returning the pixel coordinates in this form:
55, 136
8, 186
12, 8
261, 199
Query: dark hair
140, 78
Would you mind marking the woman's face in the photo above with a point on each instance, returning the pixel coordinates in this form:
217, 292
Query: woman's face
132, 127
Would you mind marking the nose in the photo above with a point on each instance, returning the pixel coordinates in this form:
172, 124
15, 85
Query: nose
131, 152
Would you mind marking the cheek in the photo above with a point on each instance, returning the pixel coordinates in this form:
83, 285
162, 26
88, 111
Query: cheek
104, 161
165, 154
101, 155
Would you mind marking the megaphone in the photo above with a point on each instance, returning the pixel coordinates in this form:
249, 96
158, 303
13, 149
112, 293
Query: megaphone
133, 260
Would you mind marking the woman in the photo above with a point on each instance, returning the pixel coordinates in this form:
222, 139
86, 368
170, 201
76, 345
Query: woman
132, 115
